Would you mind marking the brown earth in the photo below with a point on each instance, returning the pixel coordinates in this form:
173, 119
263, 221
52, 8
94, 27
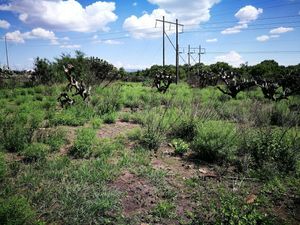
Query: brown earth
116, 129
138, 194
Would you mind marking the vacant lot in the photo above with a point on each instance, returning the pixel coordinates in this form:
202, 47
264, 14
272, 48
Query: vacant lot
135, 156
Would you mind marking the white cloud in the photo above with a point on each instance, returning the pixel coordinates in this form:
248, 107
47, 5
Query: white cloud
131, 67
70, 46
112, 42
15, 36
263, 38
234, 30
212, 40
274, 33
96, 40
248, 13
171, 9
4, 24
245, 15
66, 15
281, 30
144, 26
36, 33
233, 58
134, 4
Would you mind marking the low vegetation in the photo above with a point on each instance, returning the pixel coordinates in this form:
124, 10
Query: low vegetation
189, 156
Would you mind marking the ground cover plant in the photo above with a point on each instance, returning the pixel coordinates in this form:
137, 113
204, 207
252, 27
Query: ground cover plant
133, 155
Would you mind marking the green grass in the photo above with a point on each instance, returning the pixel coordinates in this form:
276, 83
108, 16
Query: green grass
40, 185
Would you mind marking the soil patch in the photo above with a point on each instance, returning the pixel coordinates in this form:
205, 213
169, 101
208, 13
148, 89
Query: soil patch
138, 194
116, 129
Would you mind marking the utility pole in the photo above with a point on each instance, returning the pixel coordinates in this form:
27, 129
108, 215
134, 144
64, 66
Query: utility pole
177, 53
189, 55
164, 54
201, 52
177, 43
7, 63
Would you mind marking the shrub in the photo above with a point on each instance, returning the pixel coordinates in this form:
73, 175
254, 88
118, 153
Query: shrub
17, 130
84, 144
96, 122
272, 150
180, 146
16, 211
215, 141
35, 152
125, 117
156, 124
185, 129
110, 101
110, 117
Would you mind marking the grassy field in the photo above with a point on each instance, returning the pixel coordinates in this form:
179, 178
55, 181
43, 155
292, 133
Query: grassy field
135, 156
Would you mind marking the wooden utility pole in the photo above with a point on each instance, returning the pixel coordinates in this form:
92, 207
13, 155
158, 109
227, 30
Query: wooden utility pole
7, 63
177, 53
164, 54
177, 43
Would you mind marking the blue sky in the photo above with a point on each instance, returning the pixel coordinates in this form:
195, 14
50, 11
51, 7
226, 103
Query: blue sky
124, 32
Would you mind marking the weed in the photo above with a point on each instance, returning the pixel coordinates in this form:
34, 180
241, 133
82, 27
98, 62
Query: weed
3, 167
16, 210
233, 210
55, 138
35, 152
180, 146
96, 122
164, 209
110, 118
84, 144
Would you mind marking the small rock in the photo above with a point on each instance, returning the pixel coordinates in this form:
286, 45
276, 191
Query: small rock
250, 198
202, 170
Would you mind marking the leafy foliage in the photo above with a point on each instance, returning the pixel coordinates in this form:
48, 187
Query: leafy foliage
215, 141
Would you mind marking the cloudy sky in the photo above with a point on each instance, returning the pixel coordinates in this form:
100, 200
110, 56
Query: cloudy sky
126, 34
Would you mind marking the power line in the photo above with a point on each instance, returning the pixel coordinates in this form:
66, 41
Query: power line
260, 52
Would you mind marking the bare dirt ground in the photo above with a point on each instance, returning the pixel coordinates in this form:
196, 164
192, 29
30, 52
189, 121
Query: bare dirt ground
138, 194
116, 129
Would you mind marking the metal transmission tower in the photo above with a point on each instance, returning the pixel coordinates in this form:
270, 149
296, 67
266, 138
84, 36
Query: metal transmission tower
177, 43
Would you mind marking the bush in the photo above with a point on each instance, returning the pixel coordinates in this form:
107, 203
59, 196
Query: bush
180, 146
84, 144
109, 102
17, 130
215, 141
35, 152
110, 117
272, 150
186, 129
16, 211
125, 117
